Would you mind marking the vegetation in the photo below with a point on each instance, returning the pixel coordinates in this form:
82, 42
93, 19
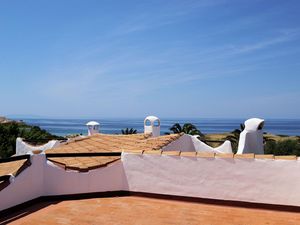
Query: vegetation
234, 137
284, 147
187, 128
273, 144
128, 131
10, 131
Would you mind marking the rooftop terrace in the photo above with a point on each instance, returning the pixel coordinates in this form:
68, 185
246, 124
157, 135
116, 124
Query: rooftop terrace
170, 179
143, 210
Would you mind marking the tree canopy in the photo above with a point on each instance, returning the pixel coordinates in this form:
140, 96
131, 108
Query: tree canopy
187, 128
129, 131
9, 132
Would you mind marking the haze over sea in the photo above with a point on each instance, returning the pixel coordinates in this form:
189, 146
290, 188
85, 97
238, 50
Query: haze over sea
64, 127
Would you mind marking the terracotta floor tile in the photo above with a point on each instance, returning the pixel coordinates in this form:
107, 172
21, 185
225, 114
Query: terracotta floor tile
139, 210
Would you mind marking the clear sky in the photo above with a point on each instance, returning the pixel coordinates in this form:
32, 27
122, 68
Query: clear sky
75, 59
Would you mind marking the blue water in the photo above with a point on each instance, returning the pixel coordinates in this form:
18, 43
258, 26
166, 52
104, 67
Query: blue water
64, 127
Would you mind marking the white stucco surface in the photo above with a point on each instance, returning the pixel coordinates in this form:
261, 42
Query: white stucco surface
250, 180
24, 148
251, 138
93, 128
26, 186
43, 178
59, 181
152, 128
189, 143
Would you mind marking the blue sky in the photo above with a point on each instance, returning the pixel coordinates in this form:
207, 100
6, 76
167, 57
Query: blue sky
75, 59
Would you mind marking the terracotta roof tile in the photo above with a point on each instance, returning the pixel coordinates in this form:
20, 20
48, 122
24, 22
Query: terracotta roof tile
83, 163
269, 156
244, 156
171, 153
106, 143
14, 167
189, 154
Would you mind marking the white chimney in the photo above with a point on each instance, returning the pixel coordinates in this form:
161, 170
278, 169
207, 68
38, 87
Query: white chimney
93, 127
251, 138
152, 126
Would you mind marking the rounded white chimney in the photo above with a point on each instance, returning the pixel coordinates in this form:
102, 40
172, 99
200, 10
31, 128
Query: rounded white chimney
251, 138
93, 127
152, 126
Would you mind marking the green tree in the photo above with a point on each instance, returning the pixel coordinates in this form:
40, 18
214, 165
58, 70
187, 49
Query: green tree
128, 131
187, 128
234, 137
9, 132
285, 147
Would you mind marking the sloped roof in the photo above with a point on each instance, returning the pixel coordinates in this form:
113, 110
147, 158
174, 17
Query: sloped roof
14, 168
106, 143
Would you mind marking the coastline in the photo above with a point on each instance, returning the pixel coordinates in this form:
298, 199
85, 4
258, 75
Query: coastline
62, 127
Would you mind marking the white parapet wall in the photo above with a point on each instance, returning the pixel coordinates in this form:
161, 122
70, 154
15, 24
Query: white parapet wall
26, 186
249, 180
43, 178
222, 177
61, 182
24, 148
188, 143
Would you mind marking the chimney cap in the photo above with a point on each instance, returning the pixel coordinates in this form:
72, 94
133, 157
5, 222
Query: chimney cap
92, 123
254, 124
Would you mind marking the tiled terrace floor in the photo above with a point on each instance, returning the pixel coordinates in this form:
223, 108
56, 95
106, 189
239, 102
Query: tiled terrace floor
140, 210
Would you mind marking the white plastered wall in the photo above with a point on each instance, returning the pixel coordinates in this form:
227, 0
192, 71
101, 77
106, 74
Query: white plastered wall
189, 143
43, 178
250, 180
61, 182
26, 186
24, 148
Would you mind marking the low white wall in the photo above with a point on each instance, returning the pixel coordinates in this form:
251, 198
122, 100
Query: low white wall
189, 143
250, 180
26, 186
24, 148
183, 143
59, 182
43, 178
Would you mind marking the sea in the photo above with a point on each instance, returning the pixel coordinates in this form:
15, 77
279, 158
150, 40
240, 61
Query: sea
63, 127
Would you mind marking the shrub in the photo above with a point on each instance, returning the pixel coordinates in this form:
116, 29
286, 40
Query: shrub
10, 131
285, 147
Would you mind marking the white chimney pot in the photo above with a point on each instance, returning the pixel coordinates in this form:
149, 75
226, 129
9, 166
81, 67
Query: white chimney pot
251, 138
93, 127
153, 127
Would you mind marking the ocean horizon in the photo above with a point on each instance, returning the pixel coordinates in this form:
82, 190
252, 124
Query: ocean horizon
64, 127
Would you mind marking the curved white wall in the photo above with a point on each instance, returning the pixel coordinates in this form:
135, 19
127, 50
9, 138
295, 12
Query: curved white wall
26, 186
59, 182
189, 143
43, 178
250, 180
251, 138
24, 148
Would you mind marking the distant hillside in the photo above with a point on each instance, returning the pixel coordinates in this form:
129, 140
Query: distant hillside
5, 120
